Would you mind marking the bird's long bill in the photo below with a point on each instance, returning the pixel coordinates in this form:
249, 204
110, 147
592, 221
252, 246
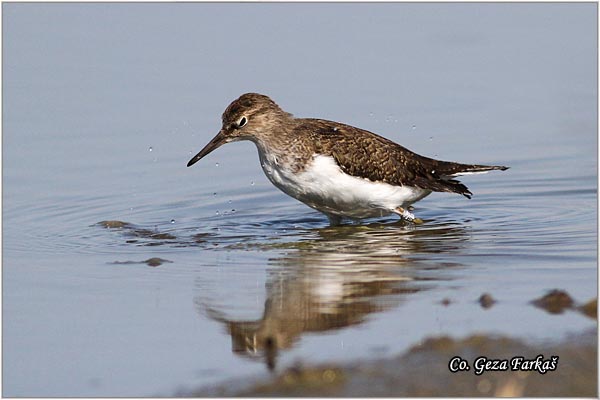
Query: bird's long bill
215, 143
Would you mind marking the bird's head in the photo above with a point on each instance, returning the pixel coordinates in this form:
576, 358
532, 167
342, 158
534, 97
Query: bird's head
250, 117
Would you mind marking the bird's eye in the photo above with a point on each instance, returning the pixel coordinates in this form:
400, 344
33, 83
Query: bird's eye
242, 122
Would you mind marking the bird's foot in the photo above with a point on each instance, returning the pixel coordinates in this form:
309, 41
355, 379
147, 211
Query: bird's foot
405, 214
334, 220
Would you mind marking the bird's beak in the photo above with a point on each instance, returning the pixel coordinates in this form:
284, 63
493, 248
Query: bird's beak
215, 143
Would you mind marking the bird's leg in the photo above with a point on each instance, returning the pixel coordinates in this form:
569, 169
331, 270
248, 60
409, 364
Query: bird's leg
334, 219
405, 214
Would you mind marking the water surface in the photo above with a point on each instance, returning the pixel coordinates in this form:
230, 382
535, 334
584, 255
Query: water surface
127, 274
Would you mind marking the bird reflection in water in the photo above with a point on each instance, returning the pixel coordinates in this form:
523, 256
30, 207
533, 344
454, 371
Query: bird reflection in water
337, 280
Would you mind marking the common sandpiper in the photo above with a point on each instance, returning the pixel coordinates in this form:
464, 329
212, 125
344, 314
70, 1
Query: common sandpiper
340, 170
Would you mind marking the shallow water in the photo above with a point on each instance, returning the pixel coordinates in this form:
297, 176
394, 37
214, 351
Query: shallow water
127, 274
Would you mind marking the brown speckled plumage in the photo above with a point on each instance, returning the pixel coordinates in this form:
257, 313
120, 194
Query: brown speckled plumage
364, 154
358, 152
340, 170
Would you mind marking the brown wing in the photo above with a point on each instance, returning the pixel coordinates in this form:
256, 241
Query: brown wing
364, 154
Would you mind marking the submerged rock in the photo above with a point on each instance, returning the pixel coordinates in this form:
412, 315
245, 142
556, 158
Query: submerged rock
486, 300
151, 262
590, 309
114, 224
555, 302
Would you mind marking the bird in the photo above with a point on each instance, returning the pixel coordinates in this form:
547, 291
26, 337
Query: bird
340, 170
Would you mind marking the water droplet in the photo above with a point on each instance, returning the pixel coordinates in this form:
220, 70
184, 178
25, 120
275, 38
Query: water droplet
414, 127
150, 148
229, 201
172, 221
233, 210
216, 164
215, 193
252, 183
217, 213
430, 137
371, 114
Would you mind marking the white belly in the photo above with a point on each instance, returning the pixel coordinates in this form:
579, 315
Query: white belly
324, 186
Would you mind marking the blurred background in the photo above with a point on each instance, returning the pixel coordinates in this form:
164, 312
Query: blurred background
127, 274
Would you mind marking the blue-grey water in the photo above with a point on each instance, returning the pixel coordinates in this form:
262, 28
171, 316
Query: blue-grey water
104, 104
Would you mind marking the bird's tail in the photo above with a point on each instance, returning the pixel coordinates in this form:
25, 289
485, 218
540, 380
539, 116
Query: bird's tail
450, 169
445, 171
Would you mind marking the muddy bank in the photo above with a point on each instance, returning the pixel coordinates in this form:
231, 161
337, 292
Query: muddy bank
424, 371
